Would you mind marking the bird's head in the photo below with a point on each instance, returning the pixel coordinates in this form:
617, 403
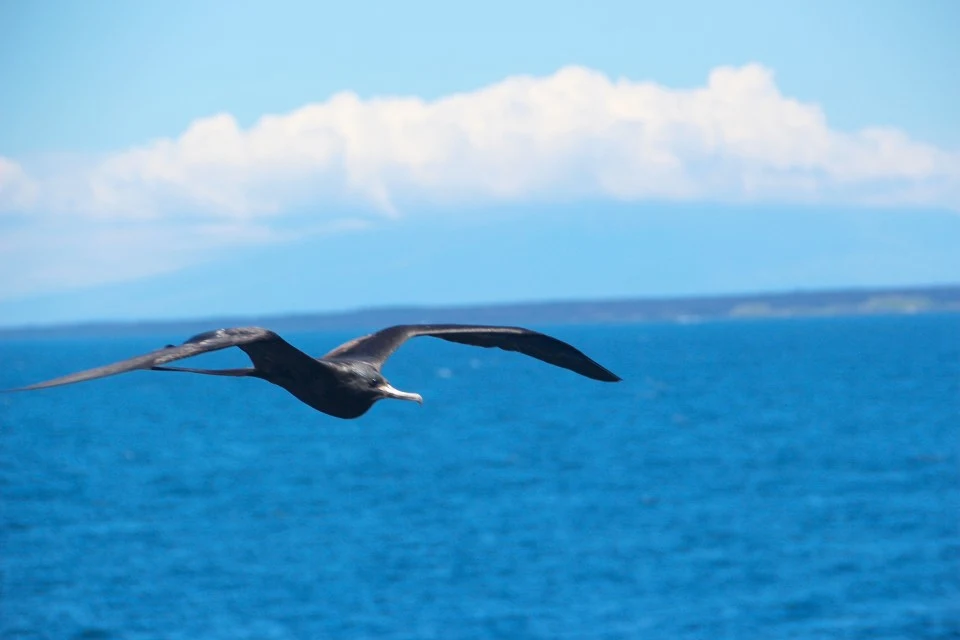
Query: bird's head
367, 380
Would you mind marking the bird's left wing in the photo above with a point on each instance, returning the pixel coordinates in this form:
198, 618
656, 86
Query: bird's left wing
377, 347
202, 343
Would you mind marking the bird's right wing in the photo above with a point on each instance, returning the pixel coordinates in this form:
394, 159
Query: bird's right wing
260, 344
377, 347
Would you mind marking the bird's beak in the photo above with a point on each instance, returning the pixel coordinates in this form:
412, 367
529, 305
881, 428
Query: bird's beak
390, 392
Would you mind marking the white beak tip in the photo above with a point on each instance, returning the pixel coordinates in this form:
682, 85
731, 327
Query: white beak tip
390, 392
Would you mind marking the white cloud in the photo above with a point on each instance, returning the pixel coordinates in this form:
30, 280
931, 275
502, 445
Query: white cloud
575, 133
17, 190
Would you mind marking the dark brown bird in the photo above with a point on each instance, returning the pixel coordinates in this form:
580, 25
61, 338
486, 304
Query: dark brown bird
346, 382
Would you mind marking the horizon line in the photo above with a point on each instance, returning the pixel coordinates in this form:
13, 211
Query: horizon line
490, 305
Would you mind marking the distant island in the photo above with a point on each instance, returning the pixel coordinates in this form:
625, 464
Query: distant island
853, 302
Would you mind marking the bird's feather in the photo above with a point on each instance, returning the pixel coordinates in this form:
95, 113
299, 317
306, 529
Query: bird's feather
375, 348
253, 340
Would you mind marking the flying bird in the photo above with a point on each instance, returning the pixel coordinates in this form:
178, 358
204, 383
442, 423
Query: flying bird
347, 381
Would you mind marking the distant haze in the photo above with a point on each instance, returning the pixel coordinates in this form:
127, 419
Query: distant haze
783, 305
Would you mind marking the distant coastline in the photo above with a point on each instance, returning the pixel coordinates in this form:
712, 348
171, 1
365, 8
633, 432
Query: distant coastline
849, 302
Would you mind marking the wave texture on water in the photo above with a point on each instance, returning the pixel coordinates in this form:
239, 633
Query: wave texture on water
755, 479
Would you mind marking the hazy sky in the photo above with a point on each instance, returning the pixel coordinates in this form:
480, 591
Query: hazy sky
185, 159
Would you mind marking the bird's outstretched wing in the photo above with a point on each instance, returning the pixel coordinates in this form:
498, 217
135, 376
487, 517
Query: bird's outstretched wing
236, 373
263, 346
377, 347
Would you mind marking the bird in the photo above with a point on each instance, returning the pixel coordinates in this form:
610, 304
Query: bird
346, 382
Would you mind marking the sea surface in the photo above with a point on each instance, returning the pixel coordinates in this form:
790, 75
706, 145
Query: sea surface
751, 479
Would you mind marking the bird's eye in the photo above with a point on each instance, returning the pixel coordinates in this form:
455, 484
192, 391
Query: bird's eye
373, 382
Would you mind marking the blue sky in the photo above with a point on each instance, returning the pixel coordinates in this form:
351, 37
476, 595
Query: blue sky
200, 158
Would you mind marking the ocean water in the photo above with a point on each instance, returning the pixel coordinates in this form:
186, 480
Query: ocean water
755, 479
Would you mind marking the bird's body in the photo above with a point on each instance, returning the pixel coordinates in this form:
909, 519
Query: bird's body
347, 381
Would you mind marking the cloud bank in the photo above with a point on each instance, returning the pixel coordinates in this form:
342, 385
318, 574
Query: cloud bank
574, 134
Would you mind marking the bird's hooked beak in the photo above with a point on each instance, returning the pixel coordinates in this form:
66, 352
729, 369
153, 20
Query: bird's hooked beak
390, 392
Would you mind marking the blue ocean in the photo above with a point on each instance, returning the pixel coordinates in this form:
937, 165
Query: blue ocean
754, 479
